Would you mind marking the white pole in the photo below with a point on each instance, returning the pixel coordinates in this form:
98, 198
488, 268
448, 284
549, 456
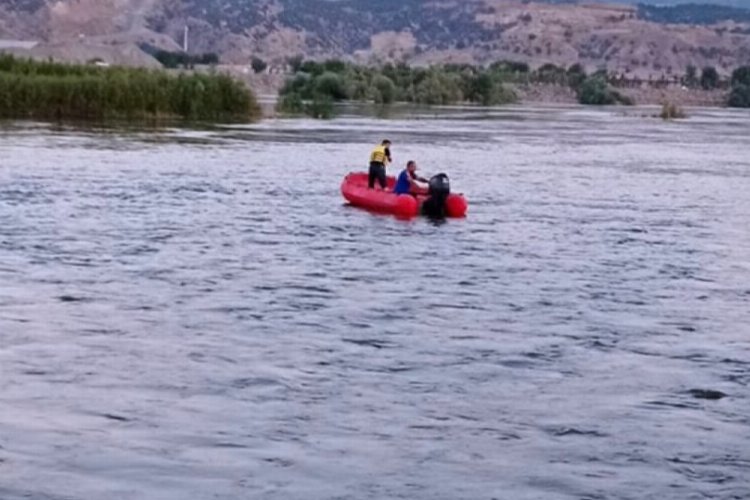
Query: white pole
185, 41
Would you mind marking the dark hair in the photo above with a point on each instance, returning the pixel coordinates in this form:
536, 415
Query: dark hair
386, 141
410, 163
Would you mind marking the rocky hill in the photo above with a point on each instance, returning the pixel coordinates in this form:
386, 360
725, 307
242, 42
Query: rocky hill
639, 41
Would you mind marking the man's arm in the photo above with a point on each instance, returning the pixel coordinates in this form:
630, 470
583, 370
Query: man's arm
413, 182
415, 177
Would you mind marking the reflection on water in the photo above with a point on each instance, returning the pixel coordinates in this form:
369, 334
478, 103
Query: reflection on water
196, 313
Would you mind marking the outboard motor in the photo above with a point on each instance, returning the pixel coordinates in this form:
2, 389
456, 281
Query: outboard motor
439, 189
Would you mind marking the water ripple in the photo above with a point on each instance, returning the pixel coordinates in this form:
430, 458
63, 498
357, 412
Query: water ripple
196, 314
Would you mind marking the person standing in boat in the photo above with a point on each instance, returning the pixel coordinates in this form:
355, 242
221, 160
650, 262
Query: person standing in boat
408, 178
379, 158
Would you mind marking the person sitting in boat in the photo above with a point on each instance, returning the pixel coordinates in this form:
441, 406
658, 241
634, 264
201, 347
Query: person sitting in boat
408, 179
379, 158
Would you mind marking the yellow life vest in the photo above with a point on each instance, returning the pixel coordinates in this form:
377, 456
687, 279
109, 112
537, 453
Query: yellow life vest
378, 155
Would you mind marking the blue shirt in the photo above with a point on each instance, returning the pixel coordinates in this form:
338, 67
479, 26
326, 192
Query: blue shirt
403, 185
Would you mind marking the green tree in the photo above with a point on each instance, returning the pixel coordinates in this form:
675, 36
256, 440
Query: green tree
321, 108
595, 90
335, 65
385, 89
482, 89
690, 79
292, 103
437, 88
258, 64
331, 85
488, 90
210, 58
739, 97
300, 84
311, 68
295, 63
576, 76
709, 78
741, 76
549, 73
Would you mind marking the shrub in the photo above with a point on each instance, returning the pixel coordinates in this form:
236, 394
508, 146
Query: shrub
385, 89
334, 66
576, 76
438, 88
321, 107
691, 77
623, 99
549, 73
594, 90
311, 68
671, 111
510, 67
300, 84
295, 63
291, 103
741, 76
485, 90
170, 59
331, 85
739, 97
709, 78
258, 65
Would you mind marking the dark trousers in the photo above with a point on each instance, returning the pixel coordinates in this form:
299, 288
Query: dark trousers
377, 172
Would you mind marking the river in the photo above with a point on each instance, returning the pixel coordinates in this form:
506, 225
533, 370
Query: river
195, 313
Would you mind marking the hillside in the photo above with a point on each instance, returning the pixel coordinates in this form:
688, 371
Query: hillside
639, 41
692, 14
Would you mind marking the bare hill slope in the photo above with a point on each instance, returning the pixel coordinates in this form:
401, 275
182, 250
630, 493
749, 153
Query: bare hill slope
619, 37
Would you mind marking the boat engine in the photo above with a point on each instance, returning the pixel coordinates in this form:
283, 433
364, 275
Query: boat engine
439, 189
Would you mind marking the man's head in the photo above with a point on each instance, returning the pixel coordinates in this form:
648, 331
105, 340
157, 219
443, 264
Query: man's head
411, 166
386, 143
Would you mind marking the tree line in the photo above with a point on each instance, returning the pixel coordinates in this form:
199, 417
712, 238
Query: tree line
170, 59
49, 90
314, 87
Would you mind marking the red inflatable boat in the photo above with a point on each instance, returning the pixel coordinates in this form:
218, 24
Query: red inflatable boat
355, 191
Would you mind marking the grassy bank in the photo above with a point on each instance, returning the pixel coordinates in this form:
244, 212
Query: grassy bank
47, 90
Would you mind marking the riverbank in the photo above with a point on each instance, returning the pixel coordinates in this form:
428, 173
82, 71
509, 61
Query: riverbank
271, 84
44, 90
501, 83
313, 87
540, 93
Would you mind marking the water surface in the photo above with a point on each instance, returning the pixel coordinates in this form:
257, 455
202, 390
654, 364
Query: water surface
196, 314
